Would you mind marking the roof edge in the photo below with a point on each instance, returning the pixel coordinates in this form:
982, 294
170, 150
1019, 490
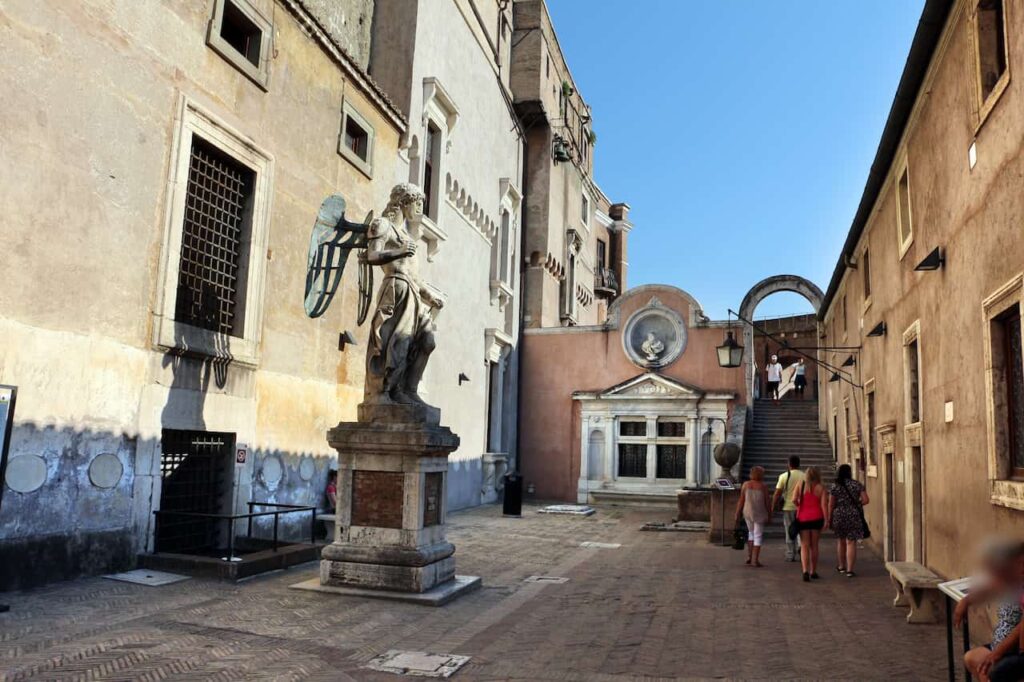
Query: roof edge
929, 32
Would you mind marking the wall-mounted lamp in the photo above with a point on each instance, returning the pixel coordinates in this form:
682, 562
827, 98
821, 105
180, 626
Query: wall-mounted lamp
346, 339
933, 261
850, 361
462, 378
878, 330
834, 377
730, 353
560, 150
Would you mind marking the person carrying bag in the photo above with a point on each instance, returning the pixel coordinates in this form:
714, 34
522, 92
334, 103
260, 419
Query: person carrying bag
846, 513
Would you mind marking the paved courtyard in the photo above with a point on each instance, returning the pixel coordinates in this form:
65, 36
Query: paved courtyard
663, 605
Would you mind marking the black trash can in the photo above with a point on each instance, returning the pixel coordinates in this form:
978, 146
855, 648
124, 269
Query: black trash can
512, 505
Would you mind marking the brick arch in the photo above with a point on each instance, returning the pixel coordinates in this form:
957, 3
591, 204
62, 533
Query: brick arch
759, 292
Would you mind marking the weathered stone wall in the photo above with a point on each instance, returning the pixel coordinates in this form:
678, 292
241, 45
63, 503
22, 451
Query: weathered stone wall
93, 91
974, 215
348, 22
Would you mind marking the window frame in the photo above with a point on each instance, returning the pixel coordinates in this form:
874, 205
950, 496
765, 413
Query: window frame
871, 418
258, 74
865, 264
912, 336
1006, 490
350, 113
904, 244
985, 103
168, 334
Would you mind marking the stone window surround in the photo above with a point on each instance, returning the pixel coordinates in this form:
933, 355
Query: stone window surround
260, 75
1006, 492
666, 401
497, 349
984, 104
365, 166
502, 288
903, 166
872, 456
440, 110
911, 334
192, 119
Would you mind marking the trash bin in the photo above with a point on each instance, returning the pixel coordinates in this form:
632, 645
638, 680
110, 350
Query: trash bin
512, 505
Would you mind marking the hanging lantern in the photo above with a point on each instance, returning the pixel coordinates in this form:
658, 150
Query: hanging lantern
730, 353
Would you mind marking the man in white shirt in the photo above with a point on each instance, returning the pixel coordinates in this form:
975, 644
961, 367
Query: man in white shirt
774, 370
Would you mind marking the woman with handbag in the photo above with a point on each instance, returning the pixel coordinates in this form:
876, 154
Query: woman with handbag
811, 500
846, 514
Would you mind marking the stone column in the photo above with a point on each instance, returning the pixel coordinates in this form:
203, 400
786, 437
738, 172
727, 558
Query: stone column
693, 451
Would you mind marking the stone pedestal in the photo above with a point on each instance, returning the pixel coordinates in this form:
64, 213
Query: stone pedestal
392, 484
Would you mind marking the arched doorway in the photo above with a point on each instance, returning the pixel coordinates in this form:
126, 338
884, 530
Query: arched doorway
757, 293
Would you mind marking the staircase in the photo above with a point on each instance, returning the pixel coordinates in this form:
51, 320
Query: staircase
778, 431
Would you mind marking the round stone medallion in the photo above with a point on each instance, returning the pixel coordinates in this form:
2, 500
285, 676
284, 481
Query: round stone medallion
105, 471
654, 336
272, 471
307, 468
26, 473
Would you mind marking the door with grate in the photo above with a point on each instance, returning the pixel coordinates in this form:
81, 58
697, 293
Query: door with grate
195, 472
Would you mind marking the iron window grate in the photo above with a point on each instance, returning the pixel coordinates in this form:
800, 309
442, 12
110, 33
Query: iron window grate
671, 461
216, 216
632, 460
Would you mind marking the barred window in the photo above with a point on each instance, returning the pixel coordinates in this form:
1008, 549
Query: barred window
674, 429
215, 236
671, 461
632, 460
632, 428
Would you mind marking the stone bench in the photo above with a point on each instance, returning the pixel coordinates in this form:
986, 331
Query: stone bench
918, 588
330, 522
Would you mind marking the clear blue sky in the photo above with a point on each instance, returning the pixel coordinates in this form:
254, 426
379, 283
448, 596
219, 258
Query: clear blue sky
740, 131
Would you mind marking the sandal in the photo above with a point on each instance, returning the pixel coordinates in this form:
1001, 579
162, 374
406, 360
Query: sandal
840, 569
850, 574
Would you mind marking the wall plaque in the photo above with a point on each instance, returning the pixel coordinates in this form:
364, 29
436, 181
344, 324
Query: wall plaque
432, 491
377, 498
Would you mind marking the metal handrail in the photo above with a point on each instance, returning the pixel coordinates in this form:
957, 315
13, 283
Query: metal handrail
231, 518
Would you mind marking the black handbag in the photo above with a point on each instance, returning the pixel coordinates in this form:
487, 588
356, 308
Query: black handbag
794, 528
739, 536
860, 510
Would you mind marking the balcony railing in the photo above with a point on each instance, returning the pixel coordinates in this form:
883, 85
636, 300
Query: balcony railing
605, 283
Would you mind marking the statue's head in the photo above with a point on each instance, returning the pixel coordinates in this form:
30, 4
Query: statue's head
406, 199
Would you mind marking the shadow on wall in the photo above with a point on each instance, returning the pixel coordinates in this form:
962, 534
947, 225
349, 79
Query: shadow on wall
72, 501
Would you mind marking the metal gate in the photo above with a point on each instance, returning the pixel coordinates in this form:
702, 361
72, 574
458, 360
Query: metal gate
195, 470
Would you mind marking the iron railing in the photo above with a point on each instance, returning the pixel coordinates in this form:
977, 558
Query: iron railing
279, 509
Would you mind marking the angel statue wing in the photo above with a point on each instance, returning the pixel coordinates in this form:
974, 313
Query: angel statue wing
332, 241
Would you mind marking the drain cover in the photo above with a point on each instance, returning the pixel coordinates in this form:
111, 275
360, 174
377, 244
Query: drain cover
570, 509
546, 579
601, 545
418, 663
144, 577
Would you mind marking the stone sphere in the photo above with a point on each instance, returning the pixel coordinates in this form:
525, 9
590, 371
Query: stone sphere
727, 454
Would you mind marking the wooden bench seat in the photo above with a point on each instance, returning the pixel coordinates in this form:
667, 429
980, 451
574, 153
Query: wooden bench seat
918, 588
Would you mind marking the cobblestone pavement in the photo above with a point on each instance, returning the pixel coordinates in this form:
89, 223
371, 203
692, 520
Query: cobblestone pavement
662, 606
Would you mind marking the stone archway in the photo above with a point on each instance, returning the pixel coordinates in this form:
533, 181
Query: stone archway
760, 291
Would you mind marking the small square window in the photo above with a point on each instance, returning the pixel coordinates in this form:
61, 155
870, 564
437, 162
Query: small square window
356, 139
240, 34
668, 429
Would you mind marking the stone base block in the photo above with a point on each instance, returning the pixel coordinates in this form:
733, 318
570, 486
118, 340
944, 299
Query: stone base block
439, 595
386, 577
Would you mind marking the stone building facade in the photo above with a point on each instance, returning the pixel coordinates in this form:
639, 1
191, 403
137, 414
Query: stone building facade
575, 238
176, 154
929, 286
627, 410
447, 66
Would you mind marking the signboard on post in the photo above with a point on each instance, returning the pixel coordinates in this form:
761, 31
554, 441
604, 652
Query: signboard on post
241, 454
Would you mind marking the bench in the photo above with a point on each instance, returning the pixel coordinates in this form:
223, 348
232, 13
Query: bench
918, 588
330, 522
